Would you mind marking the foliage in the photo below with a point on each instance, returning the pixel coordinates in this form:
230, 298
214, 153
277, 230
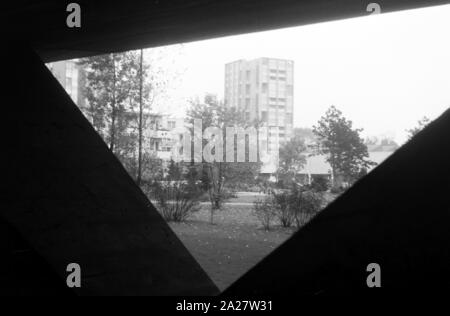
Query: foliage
194, 184
337, 190
345, 149
320, 183
307, 204
174, 172
291, 159
173, 202
152, 167
218, 174
205, 181
296, 206
111, 89
265, 212
284, 208
120, 90
421, 124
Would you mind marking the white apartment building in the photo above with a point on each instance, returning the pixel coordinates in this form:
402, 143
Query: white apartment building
264, 89
162, 133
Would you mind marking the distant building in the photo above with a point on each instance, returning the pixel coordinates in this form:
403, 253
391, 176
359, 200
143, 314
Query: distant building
71, 77
317, 165
162, 134
264, 89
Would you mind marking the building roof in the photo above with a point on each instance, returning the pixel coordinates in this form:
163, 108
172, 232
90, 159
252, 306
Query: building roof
318, 164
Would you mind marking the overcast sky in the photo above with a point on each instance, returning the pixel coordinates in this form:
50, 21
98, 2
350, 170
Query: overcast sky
384, 72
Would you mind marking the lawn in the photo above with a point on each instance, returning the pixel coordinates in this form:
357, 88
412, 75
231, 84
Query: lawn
233, 245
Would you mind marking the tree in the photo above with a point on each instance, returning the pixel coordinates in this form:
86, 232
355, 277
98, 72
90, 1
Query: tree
345, 149
111, 93
153, 81
422, 123
174, 172
152, 167
140, 118
320, 183
291, 158
121, 90
219, 173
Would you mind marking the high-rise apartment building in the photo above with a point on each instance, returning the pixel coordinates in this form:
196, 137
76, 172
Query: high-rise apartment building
264, 89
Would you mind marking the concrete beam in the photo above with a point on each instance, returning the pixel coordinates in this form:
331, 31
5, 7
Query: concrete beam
111, 26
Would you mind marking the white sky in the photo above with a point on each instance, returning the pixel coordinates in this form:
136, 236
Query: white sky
384, 72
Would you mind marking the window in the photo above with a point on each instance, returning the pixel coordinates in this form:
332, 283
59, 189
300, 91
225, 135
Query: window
247, 103
264, 116
289, 90
289, 118
265, 87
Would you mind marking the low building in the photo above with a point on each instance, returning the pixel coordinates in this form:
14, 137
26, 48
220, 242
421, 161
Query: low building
318, 166
162, 134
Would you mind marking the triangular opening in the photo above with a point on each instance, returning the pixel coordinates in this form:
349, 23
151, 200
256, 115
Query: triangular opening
317, 87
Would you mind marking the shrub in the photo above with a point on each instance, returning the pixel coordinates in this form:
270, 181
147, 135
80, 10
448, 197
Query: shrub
307, 205
173, 201
283, 202
298, 205
320, 184
264, 211
337, 189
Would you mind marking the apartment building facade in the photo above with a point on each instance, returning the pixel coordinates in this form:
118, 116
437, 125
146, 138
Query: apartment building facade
162, 134
264, 89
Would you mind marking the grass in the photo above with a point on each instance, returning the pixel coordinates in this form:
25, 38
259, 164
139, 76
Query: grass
230, 247
236, 242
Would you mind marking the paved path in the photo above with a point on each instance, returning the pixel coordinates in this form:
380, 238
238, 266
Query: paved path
226, 203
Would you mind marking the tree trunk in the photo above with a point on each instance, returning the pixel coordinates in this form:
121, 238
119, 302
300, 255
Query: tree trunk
141, 109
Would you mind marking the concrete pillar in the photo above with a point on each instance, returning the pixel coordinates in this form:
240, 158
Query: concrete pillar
71, 201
